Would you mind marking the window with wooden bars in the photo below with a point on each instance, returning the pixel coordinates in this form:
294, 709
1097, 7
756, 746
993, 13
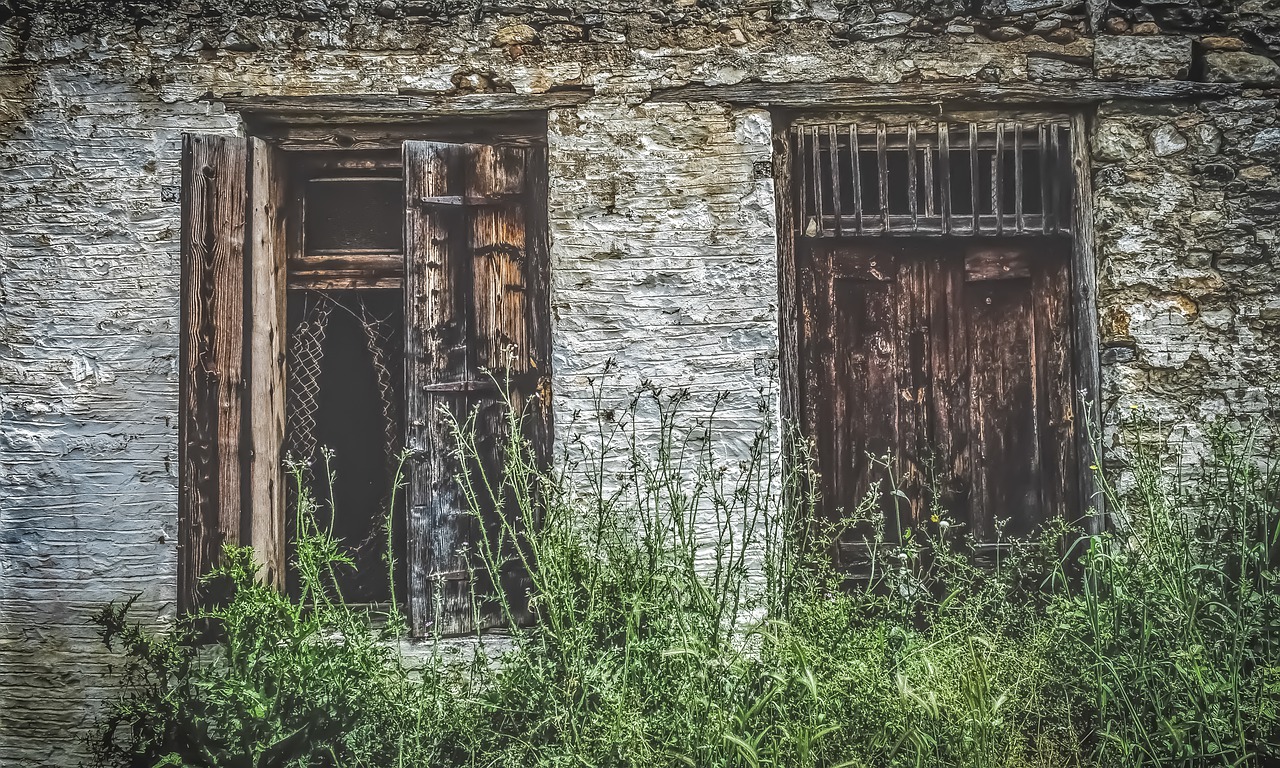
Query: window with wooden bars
936, 177
936, 305
348, 301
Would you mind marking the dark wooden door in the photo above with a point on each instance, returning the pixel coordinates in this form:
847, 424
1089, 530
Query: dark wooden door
953, 362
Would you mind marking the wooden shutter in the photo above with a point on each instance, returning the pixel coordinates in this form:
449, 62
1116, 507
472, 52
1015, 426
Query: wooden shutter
955, 360
476, 306
230, 393
214, 196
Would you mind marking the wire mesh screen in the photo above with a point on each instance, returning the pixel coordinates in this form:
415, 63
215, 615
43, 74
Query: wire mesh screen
1002, 178
308, 364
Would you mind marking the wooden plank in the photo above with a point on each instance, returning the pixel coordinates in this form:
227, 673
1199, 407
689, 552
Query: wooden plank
833, 147
435, 350
830, 95
300, 109
1084, 315
973, 177
368, 263
326, 134
1006, 475
853, 384
1054, 352
882, 170
996, 262
790, 298
500, 347
947, 385
944, 180
913, 450
912, 185
336, 280
214, 190
269, 252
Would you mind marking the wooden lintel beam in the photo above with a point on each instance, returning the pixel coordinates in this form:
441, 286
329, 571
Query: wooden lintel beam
827, 95
403, 106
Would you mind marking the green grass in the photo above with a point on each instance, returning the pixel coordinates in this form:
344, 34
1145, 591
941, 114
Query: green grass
687, 616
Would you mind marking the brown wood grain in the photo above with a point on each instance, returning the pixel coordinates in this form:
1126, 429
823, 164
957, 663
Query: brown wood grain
435, 349
268, 242
214, 190
830, 95
955, 360
476, 311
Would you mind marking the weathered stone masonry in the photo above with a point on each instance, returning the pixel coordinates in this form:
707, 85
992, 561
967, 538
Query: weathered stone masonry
662, 226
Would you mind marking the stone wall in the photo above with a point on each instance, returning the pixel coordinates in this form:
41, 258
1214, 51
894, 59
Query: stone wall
662, 225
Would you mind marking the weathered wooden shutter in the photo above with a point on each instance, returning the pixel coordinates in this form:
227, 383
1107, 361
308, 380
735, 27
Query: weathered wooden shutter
214, 197
476, 309
952, 359
231, 409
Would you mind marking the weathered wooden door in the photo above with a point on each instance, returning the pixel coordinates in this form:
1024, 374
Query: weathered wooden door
478, 341
953, 360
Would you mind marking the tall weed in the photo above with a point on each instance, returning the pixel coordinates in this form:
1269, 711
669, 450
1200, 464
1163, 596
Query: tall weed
688, 614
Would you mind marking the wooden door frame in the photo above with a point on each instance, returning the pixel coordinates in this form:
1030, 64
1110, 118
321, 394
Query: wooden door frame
1086, 361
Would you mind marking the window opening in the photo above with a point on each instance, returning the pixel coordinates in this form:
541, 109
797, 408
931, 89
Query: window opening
970, 178
353, 214
344, 366
344, 380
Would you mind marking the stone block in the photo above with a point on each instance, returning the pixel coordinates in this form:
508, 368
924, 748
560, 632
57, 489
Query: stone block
1133, 58
1240, 67
1053, 68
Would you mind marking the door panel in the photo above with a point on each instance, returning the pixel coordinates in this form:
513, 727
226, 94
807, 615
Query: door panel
955, 361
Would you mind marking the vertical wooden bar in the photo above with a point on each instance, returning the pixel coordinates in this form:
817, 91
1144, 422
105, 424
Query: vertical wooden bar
1045, 181
973, 175
268, 242
212, 354
857, 177
1056, 183
802, 184
785, 165
833, 147
1017, 177
997, 180
930, 209
882, 165
436, 340
913, 188
1084, 322
816, 169
944, 167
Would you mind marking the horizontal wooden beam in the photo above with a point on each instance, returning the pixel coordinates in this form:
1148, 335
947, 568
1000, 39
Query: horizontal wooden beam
828, 95
297, 109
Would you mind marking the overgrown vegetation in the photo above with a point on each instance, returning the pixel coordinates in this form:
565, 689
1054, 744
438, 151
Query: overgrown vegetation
688, 616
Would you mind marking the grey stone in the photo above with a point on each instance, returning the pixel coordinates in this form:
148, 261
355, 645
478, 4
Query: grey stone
1166, 140
599, 35
514, 34
561, 33
879, 30
1240, 67
1045, 26
1210, 138
1052, 68
313, 10
1004, 34
1123, 58
1030, 6
1266, 142
960, 29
